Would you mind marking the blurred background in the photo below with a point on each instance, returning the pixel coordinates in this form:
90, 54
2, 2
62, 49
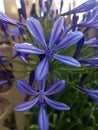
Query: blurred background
10, 7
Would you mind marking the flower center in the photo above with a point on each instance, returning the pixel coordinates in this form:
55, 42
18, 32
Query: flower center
49, 53
41, 97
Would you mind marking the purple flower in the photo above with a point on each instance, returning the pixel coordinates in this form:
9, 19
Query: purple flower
49, 49
91, 22
86, 6
41, 98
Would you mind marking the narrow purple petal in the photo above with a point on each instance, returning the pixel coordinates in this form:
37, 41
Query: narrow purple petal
4, 18
43, 11
69, 40
28, 48
27, 105
14, 31
92, 93
3, 82
56, 30
24, 87
82, 79
32, 77
94, 46
48, 5
42, 69
36, 30
42, 85
86, 6
55, 88
90, 61
23, 6
79, 46
23, 59
74, 20
57, 105
67, 60
90, 41
66, 29
40, 3
92, 22
61, 5
43, 119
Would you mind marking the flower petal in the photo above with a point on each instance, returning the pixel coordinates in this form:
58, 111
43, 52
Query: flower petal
55, 88
23, 59
90, 41
69, 40
86, 6
43, 119
92, 93
66, 29
36, 30
4, 18
23, 7
41, 85
3, 82
27, 105
92, 22
82, 79
28, 48
48, 5
42, 69
61, 5
57, 105
67, 60
25, 88
90, 61
79, 46
56, 30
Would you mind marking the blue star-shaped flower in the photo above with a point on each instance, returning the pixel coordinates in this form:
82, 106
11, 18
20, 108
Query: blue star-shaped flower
49, 49
41, 97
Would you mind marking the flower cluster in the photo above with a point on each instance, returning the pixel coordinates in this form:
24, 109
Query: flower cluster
50, 48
